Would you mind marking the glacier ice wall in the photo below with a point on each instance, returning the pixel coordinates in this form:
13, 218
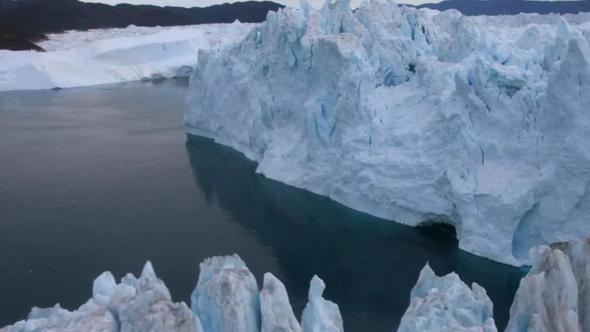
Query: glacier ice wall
414, 116
441, 304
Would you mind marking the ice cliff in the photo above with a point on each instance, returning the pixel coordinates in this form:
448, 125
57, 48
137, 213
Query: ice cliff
226, 299
415, 116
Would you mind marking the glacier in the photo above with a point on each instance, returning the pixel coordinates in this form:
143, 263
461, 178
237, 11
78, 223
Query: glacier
415, 116
106, 56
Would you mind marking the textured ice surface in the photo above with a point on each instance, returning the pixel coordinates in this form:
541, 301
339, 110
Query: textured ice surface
446, 304
276, 312
555, 295
320, 315
89, 317
415, 115
226, 298
133, 305
82, 58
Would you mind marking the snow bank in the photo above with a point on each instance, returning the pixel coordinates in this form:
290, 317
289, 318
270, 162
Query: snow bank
440, 304
82, 58
415, 115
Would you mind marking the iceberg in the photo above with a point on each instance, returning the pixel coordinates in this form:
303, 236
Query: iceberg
277, 314
320, 315
89, 317
555, 295
133, 305
440, 304
105, 56
415, 116
226, 297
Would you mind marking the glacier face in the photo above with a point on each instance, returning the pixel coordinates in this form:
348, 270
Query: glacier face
415, 116
445, 304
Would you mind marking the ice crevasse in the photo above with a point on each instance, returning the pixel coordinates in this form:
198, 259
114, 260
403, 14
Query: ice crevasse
415, 116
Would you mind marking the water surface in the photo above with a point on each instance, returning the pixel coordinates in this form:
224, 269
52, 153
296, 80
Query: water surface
104, 178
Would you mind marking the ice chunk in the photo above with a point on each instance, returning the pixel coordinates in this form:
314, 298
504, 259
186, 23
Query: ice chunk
277, 314
446, 304
555, 295
226, 298
320, 315
413, 115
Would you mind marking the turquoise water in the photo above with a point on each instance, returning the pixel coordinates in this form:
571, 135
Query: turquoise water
104, 178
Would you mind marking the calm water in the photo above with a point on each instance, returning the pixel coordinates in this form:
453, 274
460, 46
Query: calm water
104, 178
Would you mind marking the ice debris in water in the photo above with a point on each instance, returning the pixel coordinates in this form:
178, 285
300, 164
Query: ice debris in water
415, 115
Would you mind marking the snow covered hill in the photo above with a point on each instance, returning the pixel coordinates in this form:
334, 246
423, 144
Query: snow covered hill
82, 58
415, 116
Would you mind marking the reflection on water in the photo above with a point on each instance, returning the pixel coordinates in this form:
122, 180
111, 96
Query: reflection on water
101, 179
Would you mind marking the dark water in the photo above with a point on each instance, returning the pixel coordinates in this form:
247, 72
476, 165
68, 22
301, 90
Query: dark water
104, 178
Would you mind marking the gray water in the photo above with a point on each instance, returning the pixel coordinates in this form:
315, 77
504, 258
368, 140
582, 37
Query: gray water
104, 178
